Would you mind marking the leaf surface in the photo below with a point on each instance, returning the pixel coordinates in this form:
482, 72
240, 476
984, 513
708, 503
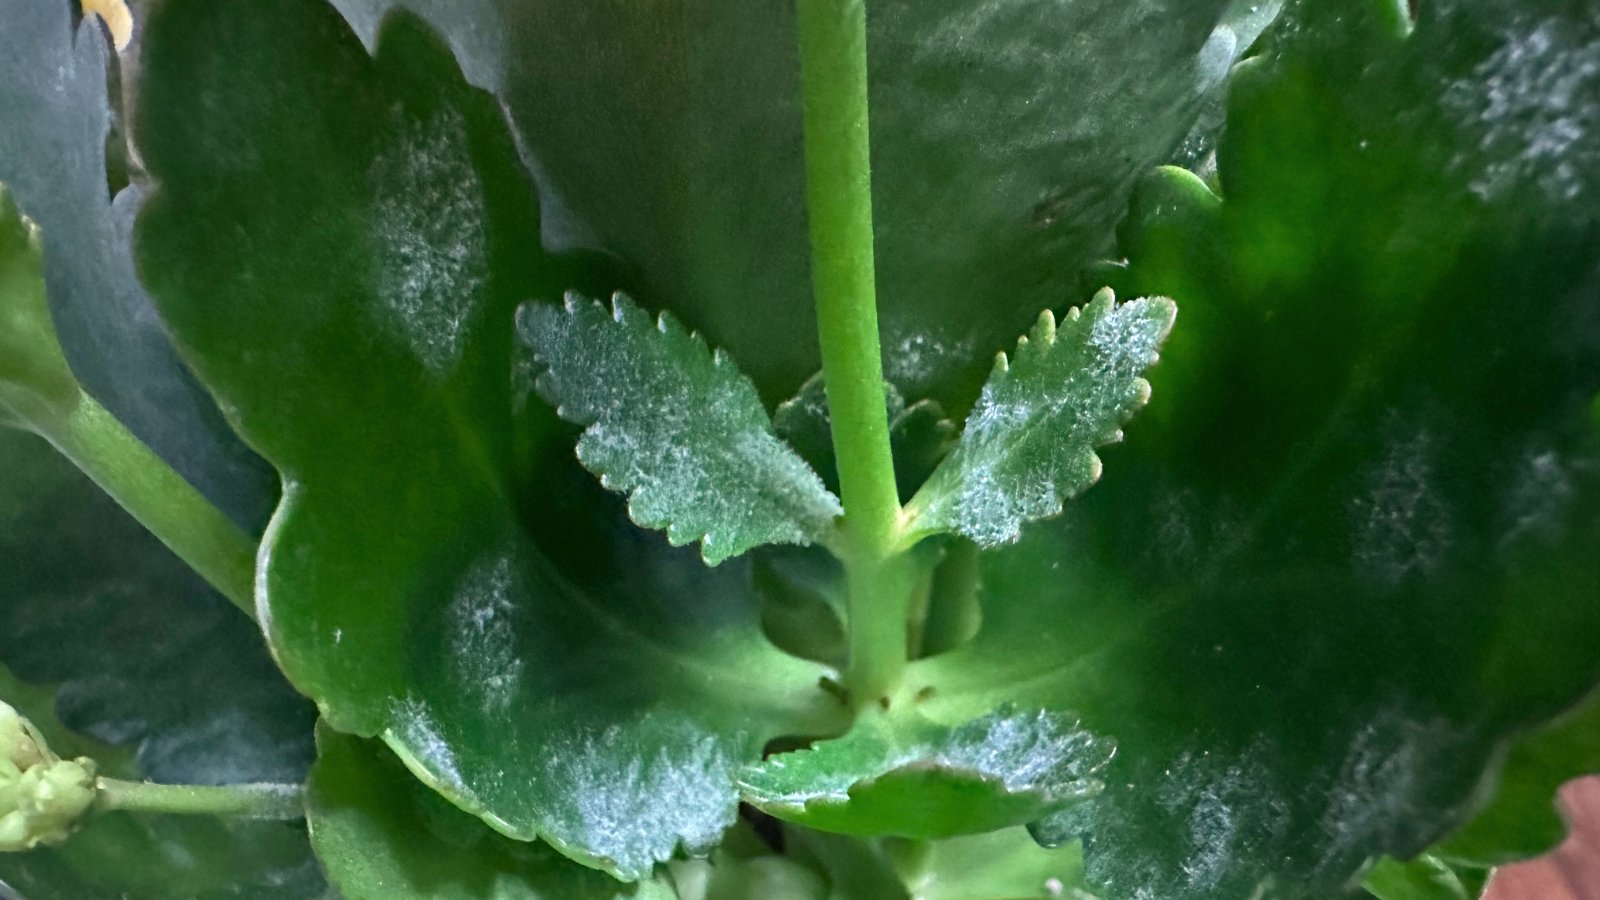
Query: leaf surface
382, 835
906, 777
111, 644
676, 427
1423, 878
1006, 139
341, 247
1030, 442
1347, 555
1000, 865
54, 117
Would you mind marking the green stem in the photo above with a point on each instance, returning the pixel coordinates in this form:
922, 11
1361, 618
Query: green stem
833, 63
157, 496
250, 801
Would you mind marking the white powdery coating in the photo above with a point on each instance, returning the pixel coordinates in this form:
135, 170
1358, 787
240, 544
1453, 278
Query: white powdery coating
635, 810
1531, 112
677, 426
413, 728
1403, 528
482, 631
1041, 752
426, 227
1029, 443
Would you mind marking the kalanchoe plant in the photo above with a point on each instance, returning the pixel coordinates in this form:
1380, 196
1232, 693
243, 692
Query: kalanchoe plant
808, 450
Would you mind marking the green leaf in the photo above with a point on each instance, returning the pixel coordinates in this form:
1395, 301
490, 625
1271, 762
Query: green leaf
1423, 878
1521, 821
53, 121
120, 653
676, 427
909, 777
382, 835
919, 434
1000, 865
1006, 138
1347, 555
34, 378
1029, 444
341, 247
726, 876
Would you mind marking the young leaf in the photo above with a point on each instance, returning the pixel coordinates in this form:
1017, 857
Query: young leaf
1029, 444
118, 652
677, 428
902, 775
1350, 557
382, 835
1006, 138
919, 434
341, 247
53, 120
1423, 878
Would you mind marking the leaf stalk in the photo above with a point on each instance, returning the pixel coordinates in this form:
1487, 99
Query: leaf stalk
833, 62
143, 484
249, 801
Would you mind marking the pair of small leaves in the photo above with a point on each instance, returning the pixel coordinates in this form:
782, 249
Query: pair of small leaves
685, 432
898, 774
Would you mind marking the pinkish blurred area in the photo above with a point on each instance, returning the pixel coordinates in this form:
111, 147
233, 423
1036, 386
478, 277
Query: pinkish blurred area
1572, 871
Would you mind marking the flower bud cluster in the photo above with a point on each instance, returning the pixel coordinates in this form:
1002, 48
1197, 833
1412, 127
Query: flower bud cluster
42, 797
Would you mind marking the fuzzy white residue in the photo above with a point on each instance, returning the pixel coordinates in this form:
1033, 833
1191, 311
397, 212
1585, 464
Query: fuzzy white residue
482, 631
426, 227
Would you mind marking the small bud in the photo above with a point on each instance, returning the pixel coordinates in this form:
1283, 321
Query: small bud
42, 796
46, 804
18, 743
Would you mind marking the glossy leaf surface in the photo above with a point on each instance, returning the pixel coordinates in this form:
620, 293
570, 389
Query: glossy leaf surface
122, 654
1423, 878
341, 247
54, 116
676, 427
1005, 141
1348, 552
1030, 442
382, 835
907, 777
1000, 865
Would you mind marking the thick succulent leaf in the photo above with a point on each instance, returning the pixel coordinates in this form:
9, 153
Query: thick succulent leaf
1006, 139
382, 835
1000, 865
676, 427
1423, 878
1521, 821
53, 122
340, 246
122, 654
919, 433
900, 775
1030, 442
1348, 552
